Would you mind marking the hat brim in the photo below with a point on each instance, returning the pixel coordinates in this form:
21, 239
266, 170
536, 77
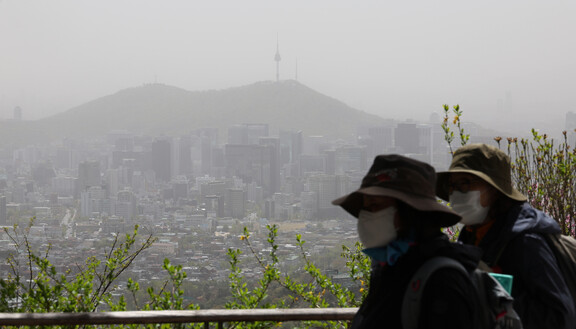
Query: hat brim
443, 177
352, 203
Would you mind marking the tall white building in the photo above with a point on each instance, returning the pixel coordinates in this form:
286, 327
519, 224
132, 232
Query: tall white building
93, 200
126, 206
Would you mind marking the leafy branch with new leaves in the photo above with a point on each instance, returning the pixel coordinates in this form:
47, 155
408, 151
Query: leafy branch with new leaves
448, 132
542, 169
319, 291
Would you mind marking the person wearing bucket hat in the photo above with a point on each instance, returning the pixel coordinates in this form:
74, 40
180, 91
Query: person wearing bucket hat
510, 232
399, 223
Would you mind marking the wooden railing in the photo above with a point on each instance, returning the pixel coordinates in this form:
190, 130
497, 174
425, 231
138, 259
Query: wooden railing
216, 317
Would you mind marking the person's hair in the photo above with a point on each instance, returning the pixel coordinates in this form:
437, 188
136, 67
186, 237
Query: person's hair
422, 224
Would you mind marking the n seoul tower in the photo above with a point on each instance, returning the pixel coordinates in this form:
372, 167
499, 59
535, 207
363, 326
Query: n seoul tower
277, 58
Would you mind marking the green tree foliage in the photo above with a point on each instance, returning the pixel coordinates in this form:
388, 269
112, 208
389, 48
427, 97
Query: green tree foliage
317, 291
37, 286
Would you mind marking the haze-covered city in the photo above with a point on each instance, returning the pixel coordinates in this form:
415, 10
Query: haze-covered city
197, 120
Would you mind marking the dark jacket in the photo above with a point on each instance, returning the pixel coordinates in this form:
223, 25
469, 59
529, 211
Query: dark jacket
448, 300
516, 246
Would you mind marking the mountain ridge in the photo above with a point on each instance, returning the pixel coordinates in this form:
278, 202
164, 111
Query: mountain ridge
155, 109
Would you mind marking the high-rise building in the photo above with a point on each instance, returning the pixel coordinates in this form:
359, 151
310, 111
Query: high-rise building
206, 139
3, 211
313, 144
93, 200
126, 206
271, 163
327, 188
17, 113
214, 206
283, 206
236, 202
254, 163
425, 142
406, 137
161, 159
440, 156
291, 146
269, 208
139, 158
330, 161
206, 148
88, 175
180, 188
247, 133
42, 173
181, 156
126, 173
30, 154
64, 185
112, 177
312, 163
349, 158
382, 139
309, 205
64, 158
212, 188
122, 140
254, 193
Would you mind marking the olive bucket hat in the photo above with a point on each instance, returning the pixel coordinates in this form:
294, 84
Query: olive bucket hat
402, 178
484, 161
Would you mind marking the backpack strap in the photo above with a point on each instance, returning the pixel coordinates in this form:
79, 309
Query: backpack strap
413, 294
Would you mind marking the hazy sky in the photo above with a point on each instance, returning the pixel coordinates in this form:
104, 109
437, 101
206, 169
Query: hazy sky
500, 60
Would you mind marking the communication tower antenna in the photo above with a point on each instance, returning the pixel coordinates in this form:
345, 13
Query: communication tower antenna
296, 75
277, 58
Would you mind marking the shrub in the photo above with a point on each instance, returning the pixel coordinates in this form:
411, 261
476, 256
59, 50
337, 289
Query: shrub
542, 169
319, 290
545, 171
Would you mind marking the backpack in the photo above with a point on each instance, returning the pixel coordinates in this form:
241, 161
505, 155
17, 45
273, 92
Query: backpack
496, 305
564, 249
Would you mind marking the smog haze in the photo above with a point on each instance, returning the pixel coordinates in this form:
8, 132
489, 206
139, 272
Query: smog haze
502, 61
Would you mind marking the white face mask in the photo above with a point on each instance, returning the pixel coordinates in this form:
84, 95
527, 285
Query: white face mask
468, 206
376, 229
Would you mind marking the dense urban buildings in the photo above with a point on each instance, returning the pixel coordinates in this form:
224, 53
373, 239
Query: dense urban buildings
197, 192
285, 176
